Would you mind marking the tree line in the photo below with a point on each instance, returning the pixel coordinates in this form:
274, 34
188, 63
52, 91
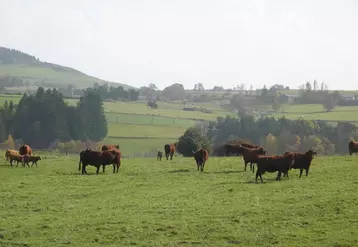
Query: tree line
276, 135
44, 118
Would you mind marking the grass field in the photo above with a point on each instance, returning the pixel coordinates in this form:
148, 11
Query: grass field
51, 74
169, 203
130, 121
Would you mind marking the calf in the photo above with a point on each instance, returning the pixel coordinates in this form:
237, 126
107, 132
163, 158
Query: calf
251, 155
8, 152
280, 164
352, 147
302, 161
30, 158
201, 156
17, 158
159, 155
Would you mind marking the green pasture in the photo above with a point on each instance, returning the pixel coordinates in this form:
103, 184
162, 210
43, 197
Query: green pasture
170, 203
316, 111
124, 118
131, 130
176, 112
139, 147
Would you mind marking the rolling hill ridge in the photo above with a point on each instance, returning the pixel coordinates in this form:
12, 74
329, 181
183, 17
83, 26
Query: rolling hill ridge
17, 64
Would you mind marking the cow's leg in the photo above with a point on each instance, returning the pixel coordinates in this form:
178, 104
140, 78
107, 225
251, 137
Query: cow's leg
301, 170
27, 163
84, 169
97, 170
253, 167
307, 172
245, 165
257, 175
278, 176
103, 169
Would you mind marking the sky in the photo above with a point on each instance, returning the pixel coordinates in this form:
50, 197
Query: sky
218, 43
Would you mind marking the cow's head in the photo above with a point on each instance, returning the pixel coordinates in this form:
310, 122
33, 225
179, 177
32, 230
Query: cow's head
311, 152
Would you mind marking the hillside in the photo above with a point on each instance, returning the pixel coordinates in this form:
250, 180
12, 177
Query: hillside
33, 72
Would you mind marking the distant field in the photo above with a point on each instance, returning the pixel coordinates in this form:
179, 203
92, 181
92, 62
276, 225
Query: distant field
315, 111
52, 75
132, 123
169, 203
133, 130
139, 147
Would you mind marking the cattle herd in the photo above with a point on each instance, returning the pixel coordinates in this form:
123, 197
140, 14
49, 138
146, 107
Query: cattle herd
24, 156
252, 154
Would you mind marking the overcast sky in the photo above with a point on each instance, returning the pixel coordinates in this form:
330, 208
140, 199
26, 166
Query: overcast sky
223, 42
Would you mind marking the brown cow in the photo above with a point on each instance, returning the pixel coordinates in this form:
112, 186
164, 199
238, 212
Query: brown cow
201, 156
30, 158
352, 147
25, 149
251, 155
8, 152
159, 155
248, 145
302, 161
169, 150
98, 158
109, 147
280, 164
17, 158
234, 149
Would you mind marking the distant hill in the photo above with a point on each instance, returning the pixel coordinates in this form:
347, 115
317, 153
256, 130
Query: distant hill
17, 65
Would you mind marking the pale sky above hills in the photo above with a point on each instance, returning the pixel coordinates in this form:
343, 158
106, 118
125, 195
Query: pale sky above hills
226, 42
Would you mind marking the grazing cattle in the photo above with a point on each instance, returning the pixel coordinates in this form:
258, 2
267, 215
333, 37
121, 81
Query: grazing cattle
98, 158
30, 158
248, 145
251, 155
302, 161
280, 164
8, 152
109, 147
234, 149
201, 156
25, 149
352, 147
17, 158
159, 155
169, 150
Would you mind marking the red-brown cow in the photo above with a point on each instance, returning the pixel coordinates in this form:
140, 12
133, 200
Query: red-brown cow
25, 149
251, 156
169, 150
234, 149
97, 158
201, 156
280, 164
302, 161
352, 147
109, 147
248, 145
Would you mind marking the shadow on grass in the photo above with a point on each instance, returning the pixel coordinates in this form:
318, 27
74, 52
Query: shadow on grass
178, 171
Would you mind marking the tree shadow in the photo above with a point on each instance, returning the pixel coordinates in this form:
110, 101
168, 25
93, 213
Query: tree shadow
179, 171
